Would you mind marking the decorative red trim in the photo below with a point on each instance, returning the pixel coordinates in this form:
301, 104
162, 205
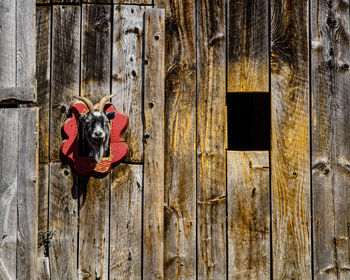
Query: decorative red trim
85, 166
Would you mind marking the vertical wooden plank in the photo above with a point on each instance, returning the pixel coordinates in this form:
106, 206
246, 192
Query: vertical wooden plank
94, 229
330, 138
95, 83
290, 141
211, 161
8, 191
248, 194
43, 24
27, 194
153, 209
126, 224
63, 218
63, 206
127, 74
248, 46
139, 2
180, 129
96, 48
65, 70
8, 44
26, 43
43, 222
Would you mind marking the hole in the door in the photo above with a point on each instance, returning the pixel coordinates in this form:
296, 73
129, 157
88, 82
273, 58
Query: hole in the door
248, 121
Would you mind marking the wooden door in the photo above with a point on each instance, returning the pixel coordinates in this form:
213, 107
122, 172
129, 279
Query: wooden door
108, 227
18, 141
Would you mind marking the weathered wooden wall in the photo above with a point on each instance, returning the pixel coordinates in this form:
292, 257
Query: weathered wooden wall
180, 206
18, 193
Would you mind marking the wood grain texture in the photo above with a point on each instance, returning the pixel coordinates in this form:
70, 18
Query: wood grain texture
248, 203
64, 83
95, 84
127, 74
211, 118
26, 43
17, 94
43, 53
153, 209
180, 129
9, 119
17, 42
96, 50
290, 141
93, 230
27, 194
43, 222
330, 138
126, 224
8, 44
139, 2
248, 46
63, 218
18, 193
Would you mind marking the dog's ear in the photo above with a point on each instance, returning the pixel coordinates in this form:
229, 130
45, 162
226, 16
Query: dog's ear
110, 115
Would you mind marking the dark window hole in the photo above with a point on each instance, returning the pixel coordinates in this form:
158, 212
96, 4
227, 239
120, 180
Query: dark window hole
248, 121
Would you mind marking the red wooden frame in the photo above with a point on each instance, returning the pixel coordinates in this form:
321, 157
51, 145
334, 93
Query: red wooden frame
85, 166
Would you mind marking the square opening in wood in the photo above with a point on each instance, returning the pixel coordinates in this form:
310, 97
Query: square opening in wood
248, 121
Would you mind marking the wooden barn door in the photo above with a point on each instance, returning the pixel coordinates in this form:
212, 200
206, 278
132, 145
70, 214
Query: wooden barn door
109, 227
18, 141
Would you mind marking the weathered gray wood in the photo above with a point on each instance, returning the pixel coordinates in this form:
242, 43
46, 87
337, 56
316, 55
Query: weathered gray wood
43, 223
140, 2
95, 83
17, 44
330, 139
27, 194
8, 191
17, 94
63, 218
153, 209
290, 141
63, 204
93, 230
248, 203
211, 118
43, 24
96, 49
126, 225
248, 46
8, 44
180, 129
26, 43
65, 70
127, 74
